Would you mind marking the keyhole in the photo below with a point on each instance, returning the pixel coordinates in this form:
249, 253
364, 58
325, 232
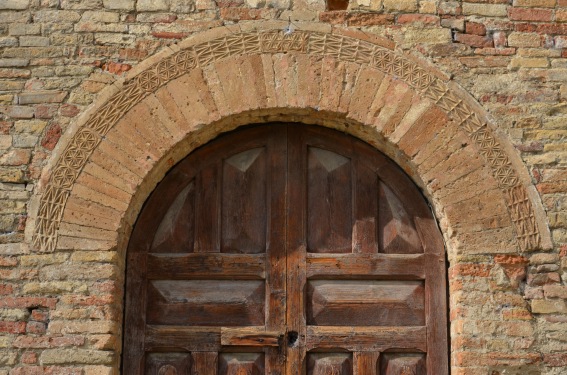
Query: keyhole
292, 338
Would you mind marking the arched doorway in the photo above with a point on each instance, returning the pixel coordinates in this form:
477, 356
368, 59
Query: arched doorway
285, 249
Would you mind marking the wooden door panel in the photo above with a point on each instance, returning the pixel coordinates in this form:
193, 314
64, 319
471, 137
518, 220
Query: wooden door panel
285, 249
241, 364
168, 364
207, 208
329, 363
175, 233
206, 302
398, 233
404, 363
329, 202
365, 230
244, 205
365, 303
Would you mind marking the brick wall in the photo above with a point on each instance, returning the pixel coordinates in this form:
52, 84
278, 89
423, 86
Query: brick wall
56, 55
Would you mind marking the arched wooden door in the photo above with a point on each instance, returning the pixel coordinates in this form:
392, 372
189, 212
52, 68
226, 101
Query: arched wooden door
286, 249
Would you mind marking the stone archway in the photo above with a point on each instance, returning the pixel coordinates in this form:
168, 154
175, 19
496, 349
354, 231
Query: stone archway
187, 95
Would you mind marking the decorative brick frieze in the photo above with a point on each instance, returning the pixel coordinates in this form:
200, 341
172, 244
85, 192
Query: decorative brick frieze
340, 47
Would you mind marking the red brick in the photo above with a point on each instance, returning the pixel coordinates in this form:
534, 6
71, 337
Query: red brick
46, 111
475, 28
69, 110
543, 28
8, 261
369, 19
39, 315
555, 359
530, 14
333, 17
511, 259
474, 40
116, 67
13, 327
418, 18
29, 358
553, 187
28, 302
6, 289
168, 35
51, 137
5, 127
238, 14
36, 327
530, 147
470, 269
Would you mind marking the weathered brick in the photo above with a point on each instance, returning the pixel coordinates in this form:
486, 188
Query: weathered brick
474, 40
531, 14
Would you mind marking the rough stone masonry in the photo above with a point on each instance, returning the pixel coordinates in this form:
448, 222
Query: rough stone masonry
61, 61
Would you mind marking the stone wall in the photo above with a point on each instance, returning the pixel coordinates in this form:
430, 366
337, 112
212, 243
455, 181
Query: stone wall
61, 311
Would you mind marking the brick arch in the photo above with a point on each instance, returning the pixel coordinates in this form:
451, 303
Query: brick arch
187, 95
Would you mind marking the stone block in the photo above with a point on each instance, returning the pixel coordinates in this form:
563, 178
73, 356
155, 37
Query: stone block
527, 62
549, 306
400, 5
34, 41
519, 39
14, 4
18, 29
119, 4
71, 356
488, 10
98, 16
5, 63
151, 5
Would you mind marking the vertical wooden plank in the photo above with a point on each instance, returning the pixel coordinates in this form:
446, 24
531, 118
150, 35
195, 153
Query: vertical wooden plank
435, 296
365, 229
329, 201
207, 208
365, 363
396, 228
296, 250
135, 317
175, 233
276, 275
243, 207
205, 363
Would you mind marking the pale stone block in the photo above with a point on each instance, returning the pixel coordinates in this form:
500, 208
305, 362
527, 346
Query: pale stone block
151, 5
488, 10
119, 4
14, 4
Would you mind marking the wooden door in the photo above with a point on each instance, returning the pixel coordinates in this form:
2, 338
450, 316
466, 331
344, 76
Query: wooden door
286, 249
